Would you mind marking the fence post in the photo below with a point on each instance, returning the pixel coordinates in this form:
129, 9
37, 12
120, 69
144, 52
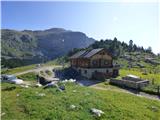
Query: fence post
158, 90
37, 78
153, 81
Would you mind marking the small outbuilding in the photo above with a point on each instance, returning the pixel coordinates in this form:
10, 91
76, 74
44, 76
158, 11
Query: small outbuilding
130, 81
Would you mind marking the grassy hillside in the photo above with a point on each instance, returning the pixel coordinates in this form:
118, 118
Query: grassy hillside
26, 103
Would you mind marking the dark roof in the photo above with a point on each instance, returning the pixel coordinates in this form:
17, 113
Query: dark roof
78, 54
86, 53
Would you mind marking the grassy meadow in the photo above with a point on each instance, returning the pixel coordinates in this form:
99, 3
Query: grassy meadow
25, 103
18, 69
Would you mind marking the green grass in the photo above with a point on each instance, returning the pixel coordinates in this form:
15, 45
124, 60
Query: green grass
25, 68
31, 76
55, 105
18, 69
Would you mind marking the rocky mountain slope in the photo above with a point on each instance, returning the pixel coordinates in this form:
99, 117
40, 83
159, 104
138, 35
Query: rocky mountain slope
41, 45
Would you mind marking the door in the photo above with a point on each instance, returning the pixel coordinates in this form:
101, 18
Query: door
115, 73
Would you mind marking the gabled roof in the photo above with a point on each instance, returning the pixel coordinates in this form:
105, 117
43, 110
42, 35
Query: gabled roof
78, 54
92, 52
86, 53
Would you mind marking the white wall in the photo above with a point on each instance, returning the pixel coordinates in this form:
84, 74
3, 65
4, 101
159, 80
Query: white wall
92, 70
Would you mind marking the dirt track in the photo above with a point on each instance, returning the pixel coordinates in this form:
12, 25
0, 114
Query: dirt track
37, 69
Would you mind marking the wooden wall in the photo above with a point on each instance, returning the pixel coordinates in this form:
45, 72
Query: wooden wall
99, 60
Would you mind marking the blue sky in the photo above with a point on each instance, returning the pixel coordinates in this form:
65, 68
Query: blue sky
100, 20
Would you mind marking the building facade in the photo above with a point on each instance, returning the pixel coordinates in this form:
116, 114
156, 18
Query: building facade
94, 64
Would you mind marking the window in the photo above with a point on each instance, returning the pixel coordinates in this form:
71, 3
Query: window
85, 71
107, 71
106, 62
102, 53
94, 62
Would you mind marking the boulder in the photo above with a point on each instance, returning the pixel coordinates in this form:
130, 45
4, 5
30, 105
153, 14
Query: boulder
41, 94
97, 112
72, 107
38, 85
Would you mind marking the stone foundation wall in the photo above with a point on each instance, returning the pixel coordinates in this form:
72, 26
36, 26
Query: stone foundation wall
130, 84
89, 72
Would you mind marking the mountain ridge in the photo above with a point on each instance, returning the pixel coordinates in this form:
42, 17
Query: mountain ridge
41, 45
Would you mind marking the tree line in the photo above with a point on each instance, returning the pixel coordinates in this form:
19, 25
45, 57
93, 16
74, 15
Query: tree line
115, 47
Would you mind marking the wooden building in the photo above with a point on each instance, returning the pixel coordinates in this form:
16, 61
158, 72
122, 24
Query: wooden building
96, 63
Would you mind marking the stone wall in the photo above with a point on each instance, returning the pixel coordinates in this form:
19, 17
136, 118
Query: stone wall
130, 84
88, 72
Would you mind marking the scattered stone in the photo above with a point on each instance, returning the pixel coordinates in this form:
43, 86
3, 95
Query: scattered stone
74, 91
17, 95
38, 85
24, 86
97, 112
139, 95
3, 114
70, 80
154, 108
62, 87
72, 107
41, 94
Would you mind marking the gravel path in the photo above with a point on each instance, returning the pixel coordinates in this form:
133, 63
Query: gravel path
37, 70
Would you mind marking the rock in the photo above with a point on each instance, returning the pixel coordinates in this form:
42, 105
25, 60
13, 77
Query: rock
72, 107
70, 80
38, 85
74, 91
3, 114
41, 94
80, 84
154, 108
62, 87
24, 86
97, 112
17, 95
